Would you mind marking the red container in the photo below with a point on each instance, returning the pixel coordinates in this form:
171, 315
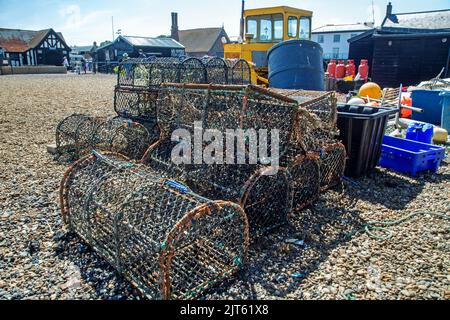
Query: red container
363, 70
340, 70
350, 69
331, 69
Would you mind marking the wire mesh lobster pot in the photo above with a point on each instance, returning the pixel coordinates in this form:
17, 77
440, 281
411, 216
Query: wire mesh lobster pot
168, 241
152, 72
216, 70
240, 72
332, 165
136, 104
78, 134
75, 134
134, 73
263, 189
303, 171
192, 70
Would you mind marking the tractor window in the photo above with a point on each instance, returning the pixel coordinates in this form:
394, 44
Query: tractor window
278, 27
292, 27
252, 26
305, 28
265, 30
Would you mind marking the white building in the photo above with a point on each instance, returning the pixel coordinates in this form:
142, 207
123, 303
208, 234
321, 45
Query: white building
334, 38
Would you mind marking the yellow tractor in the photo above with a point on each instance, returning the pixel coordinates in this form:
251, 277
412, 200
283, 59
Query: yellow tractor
265, 27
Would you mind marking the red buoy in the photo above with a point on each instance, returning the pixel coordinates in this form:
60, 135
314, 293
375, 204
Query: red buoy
331, 69
363, 70
340, 70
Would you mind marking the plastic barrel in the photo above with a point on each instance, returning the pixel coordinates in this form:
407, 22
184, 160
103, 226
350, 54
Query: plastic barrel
296, 64
431, 103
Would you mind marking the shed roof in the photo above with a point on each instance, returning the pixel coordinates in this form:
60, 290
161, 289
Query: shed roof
152, 42
200, 40
429, 20
334, 28
16, 40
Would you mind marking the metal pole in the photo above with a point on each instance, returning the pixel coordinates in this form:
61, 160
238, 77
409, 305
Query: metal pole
112, 24
242, 20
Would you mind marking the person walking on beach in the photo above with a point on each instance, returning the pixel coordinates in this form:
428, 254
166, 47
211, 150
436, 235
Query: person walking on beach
65, 62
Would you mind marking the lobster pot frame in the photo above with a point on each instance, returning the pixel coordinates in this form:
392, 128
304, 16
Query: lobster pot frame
332, 165
134, 73
216, 70
150, 73
226, 108
136, 104
75, 134
262, 190
119, 135
192, 70
304, 176
168, 241
241, 73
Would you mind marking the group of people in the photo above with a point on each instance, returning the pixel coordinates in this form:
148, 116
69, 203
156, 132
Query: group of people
79, 66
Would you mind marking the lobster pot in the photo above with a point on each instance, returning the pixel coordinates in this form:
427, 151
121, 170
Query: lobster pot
168, 241
136, 104
240, 72
150, 73
332, 165
77, 135
192, 70
264, 197
225, 108
134, 73
216, 70
164, 70
304, 177
74, 135
124, 136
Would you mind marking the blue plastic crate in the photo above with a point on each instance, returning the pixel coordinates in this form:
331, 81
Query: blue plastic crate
408, 156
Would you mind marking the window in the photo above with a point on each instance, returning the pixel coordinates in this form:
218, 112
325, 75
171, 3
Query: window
266, 28
353, 35
265, 31
305, 28
337, 38
320, 38
278, 27
335, 53
252, 26
292, 27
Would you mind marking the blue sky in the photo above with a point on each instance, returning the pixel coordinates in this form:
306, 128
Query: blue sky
85, 21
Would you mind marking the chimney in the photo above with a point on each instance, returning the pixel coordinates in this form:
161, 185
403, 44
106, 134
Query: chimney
174, 30
389, 10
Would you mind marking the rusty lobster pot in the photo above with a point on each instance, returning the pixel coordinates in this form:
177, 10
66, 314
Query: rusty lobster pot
340, 70
363, 69
331, 69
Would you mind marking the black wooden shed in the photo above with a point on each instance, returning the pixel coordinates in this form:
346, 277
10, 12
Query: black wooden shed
161, 47
407, 48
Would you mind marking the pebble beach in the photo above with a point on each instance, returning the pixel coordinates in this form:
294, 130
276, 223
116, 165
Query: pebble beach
327, 251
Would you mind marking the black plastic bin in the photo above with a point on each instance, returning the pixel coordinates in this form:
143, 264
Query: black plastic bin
361, 130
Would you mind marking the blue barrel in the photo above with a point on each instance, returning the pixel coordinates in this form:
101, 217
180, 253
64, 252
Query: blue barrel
296, 64
431, 103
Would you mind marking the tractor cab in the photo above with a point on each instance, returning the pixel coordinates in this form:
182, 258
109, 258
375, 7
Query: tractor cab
265, 27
